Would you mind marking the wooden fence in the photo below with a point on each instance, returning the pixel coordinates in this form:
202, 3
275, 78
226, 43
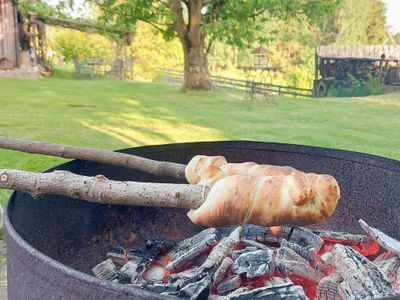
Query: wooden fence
250, 87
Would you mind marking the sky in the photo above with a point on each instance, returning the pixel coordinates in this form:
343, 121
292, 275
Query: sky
393, 14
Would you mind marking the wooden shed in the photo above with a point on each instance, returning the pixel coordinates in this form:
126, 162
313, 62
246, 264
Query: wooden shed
8, 35
335, 63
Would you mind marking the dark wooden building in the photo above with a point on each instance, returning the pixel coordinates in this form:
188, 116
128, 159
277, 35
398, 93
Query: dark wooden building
8, 35
20, 43
336, 63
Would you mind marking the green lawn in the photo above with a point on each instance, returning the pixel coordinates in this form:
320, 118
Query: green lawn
113, 114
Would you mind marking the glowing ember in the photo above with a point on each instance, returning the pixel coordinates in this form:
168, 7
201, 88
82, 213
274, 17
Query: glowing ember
249, 260
275, 230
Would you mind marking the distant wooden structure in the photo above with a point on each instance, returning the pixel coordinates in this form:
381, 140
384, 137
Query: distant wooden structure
334, 64
20, 44
23, 51
8, 35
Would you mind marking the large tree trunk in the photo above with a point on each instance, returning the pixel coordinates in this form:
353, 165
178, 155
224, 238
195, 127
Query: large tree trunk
196, 75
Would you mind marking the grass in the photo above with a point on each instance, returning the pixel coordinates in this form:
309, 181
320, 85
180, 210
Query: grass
115, 114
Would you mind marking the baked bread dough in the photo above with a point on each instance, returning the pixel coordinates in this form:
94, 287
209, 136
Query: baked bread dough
265, 195
297, 199
206, 170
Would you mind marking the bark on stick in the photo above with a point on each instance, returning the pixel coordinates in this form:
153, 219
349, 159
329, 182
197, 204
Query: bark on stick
98, 155
99, 189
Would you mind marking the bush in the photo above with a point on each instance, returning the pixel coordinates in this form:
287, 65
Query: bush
354, 87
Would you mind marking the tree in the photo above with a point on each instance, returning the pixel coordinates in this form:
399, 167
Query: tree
152, 52
356, 22
77, 46
199, 23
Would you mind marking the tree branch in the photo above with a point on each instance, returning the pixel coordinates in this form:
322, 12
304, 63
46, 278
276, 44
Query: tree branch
210, 43
98, 155
99, 189
152, 24
258, 12
215, 11
179, 22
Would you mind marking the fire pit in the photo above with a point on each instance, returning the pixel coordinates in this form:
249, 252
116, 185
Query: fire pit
54, 242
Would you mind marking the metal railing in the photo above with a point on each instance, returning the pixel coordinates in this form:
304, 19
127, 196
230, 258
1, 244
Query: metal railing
250, 87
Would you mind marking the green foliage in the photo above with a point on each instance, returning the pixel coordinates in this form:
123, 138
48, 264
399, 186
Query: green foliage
355, 22
78, 46
371, 85
39, 7
289, 29
232, 22
150, 52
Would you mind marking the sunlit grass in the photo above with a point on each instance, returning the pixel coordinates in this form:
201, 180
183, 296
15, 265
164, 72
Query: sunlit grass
113, 114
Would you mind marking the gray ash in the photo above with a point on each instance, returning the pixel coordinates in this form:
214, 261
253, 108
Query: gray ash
253, 262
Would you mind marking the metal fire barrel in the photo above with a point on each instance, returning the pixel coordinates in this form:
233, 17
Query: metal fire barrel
52, 243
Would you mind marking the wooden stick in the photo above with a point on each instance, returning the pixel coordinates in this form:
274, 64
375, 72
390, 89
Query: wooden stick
98, 155
99, 189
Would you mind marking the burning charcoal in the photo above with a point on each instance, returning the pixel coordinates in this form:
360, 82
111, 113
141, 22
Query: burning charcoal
185, 245
297, 269
229, 284
129, 268
222, 269
278, 281
194, 279
199, 260
127, 271
238, 291
161, 288
259, 234
105, 270
185, 275
196, 290
152, 249
271, 282
118, 255
287, 291
343, 238
301, 236
254, 244
362, 278
325, 263
222, 249
197, 249
384, 240
237, 253
308, 253
154, 274
286, 253
362, 243
256, 263
389, 264
329, 288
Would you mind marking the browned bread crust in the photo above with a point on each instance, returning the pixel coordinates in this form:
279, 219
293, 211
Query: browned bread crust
298, 199
206, 170
266, 195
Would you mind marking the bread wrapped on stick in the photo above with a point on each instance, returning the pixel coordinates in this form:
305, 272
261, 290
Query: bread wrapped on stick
266, 195
298, 199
